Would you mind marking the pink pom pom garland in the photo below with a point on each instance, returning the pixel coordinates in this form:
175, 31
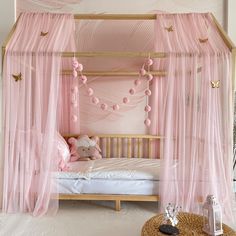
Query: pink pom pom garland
132, 91
149, 62
83, 79
143, 72
95, 100
90, 91
104, 106
149, 77
116, 107
147, 108
74, 118
75, 73
147, 122
137, 82
75, 64
74, 89
148, 92
80, 67
125, 100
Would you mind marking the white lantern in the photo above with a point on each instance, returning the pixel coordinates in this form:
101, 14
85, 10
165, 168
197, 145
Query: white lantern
212, 216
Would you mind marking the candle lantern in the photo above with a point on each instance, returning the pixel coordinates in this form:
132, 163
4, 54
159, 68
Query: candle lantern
212, 216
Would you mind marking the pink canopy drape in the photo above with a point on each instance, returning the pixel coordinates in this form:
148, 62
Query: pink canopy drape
192, 110
31, 84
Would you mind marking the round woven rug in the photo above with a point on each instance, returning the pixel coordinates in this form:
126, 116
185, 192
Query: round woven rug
189, 224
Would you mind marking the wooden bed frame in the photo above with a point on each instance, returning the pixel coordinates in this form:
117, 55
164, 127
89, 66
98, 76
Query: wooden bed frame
119, 198
108, 138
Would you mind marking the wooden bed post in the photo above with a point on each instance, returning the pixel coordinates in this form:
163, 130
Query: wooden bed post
118, 205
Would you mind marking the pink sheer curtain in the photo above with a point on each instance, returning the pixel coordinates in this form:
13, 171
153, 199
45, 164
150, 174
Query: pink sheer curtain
30, 111
192, 113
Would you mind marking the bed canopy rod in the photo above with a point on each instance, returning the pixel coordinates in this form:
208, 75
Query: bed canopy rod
144, 136
114, 54
115, 73
148, 16
115, 16
121, 73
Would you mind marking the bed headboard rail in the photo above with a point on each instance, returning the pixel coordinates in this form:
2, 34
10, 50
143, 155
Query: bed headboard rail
127, 145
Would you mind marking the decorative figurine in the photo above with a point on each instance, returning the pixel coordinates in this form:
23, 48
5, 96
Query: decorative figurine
212, 216
171, 212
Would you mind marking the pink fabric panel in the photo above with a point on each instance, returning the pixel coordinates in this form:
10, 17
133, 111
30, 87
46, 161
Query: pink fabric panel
69, 101
30, 111
194, 118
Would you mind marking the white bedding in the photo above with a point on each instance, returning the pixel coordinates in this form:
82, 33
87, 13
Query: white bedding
114, 186
113, 168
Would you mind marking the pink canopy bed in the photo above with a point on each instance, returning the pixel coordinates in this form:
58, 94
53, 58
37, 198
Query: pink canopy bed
184, 82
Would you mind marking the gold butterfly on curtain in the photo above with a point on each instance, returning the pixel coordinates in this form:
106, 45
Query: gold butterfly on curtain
203, 40
169, 29
43, 33
215, 84
17, 77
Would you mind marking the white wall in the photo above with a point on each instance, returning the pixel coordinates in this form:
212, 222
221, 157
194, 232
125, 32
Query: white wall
7, 15
7, 18
231, 23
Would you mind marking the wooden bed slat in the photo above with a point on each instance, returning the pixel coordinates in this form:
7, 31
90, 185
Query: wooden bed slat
118, 144
129, 146
139, 147
108, 147
150, 148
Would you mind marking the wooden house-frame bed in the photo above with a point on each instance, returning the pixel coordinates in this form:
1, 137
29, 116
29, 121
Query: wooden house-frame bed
130, 139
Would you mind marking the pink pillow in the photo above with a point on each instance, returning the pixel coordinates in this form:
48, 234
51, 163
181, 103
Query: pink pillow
63, 152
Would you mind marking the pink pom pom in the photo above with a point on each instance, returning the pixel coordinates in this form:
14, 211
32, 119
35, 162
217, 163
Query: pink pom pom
74, 89
80, 67
74, 118
147, 122
149, 77
149, 62
75, 74
137, 82
75, 64
142, 72
125, 100
132, 91
148, 92
95, 100
74, 104
147, 108
83, 79
104, 106
90, 91
116, 107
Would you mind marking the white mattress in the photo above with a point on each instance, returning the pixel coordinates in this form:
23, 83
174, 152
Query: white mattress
101, 186
111, 176
113, 168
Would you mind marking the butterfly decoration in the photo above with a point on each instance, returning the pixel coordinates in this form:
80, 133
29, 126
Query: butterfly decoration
43, 33
17, 77
169, 29
203, 40
215, 84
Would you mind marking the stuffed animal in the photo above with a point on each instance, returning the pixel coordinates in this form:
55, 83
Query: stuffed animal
84, 148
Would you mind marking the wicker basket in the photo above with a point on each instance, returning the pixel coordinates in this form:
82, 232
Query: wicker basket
189, 224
